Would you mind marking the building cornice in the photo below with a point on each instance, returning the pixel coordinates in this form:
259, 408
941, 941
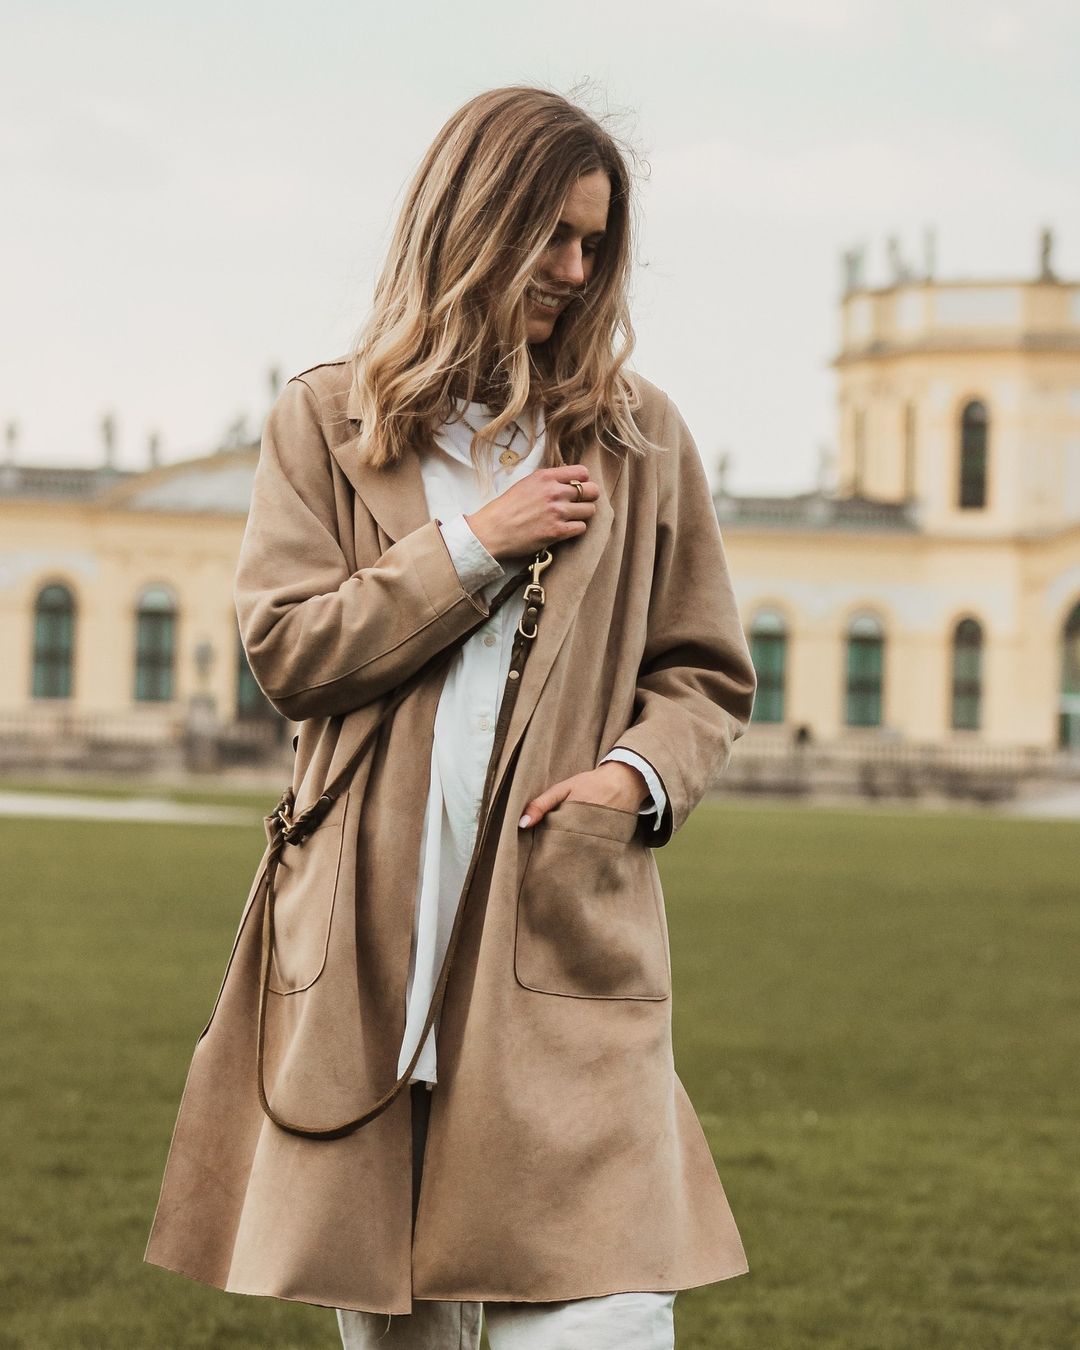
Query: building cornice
1023, 343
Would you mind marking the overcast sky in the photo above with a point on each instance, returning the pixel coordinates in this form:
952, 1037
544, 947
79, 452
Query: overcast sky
197, 192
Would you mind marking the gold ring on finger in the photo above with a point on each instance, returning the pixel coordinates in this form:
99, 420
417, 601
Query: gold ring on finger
580, 490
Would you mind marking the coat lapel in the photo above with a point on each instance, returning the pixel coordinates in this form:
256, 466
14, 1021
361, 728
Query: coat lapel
396, 499
565, 583
394, 495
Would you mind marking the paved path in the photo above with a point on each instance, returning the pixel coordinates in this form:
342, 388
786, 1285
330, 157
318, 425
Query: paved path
1061, 804
155, 810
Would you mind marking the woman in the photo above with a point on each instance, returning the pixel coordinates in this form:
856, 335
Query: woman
459, 888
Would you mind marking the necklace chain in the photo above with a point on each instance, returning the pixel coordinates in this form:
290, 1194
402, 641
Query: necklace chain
509, 457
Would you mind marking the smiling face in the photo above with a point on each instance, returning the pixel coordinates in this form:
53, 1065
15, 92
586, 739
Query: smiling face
568, 261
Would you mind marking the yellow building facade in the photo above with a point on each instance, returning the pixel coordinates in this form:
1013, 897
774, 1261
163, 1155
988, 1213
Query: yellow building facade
116, 609
933, 594
930, 597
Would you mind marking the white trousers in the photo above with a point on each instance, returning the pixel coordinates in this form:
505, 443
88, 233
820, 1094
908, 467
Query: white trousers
637, 1321
616, 1322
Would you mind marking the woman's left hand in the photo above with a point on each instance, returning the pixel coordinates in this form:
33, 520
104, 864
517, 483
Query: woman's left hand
612, 784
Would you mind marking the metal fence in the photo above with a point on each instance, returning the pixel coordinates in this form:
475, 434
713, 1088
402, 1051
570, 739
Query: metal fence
43, 740
766, 760
883, 766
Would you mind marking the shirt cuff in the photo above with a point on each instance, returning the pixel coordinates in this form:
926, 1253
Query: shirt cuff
659, 796
475, 565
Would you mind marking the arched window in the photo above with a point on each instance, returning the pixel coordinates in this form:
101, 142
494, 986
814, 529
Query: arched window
155, 646
865, 663
1069, 726
974, 427
54, 642
768, 650
251, 702
967, 675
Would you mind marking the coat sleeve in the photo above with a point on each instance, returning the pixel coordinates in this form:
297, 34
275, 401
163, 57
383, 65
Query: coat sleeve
322, 640
696, 682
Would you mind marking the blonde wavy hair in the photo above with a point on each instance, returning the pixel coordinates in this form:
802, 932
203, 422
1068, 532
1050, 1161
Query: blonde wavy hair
448, 320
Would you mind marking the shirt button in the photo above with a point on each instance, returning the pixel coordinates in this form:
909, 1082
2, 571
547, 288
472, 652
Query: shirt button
484, 724
489, 639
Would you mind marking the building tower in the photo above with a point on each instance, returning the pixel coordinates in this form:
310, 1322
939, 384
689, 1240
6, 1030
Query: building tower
963, 397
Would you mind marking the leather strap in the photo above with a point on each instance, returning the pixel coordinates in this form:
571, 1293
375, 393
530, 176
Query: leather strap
298, 830
286, 831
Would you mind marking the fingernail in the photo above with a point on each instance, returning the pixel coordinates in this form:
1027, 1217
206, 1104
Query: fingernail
523, 822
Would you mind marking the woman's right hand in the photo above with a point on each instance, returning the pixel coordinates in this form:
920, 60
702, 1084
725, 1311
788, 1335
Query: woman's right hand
539, 510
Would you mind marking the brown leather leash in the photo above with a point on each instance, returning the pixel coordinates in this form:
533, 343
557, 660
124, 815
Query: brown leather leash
285, 831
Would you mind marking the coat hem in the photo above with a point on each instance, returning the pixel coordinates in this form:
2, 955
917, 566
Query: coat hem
672, 1287
473, 1295
313, 1300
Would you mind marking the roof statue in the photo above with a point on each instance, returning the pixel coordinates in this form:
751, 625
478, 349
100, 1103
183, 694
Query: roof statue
1046, 249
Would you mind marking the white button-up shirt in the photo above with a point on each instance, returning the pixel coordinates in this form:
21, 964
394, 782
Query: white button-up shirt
466, 713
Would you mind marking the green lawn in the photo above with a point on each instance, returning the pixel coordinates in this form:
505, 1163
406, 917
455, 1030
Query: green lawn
877, 1017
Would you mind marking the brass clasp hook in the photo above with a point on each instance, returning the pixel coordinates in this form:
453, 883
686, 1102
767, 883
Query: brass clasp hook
534, 592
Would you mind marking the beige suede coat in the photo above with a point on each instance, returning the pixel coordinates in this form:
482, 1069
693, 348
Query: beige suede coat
564, 1159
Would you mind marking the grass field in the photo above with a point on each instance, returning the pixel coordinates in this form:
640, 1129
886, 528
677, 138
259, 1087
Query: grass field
877, 1017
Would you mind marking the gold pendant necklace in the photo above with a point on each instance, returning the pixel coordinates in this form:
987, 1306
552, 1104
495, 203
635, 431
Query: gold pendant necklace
508, 458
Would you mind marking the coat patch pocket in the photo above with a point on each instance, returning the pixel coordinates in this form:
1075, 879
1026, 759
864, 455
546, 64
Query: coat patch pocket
305, 889
590, 920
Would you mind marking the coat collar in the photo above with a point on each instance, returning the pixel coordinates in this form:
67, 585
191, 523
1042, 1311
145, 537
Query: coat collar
394, 494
